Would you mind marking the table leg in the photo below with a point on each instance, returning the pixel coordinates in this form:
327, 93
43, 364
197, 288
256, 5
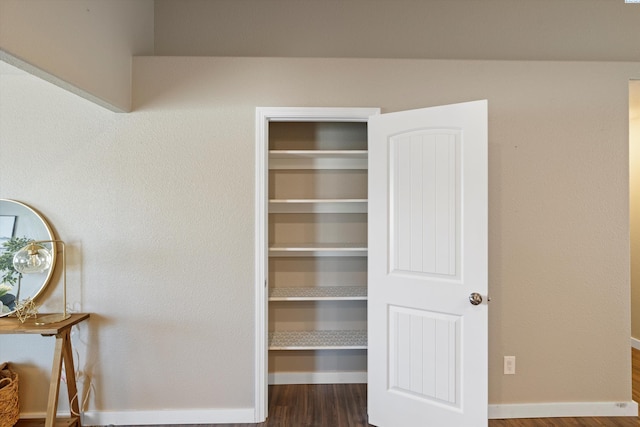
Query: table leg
70, 372
54, 385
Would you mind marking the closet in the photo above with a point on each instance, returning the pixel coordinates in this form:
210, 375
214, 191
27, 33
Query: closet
316, 245
375, 222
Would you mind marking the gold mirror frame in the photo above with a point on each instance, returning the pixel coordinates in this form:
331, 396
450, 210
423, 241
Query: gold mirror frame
27, 222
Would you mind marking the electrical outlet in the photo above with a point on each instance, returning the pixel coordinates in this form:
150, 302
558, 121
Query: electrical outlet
509, 365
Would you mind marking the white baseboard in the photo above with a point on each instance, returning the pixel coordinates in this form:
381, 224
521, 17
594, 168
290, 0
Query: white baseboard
569, 409
194, 416
248, 415
635, 343
355, 377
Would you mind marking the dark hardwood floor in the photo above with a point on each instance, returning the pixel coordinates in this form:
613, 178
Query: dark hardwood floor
635, 377
345, 405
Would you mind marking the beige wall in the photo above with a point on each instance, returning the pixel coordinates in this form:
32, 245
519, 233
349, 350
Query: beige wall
157, 207
575, 30
634, 199
83, 46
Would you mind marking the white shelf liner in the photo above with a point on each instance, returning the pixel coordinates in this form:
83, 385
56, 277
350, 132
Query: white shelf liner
317, 340
318, 293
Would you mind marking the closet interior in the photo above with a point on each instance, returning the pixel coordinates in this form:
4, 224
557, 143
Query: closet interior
317, 251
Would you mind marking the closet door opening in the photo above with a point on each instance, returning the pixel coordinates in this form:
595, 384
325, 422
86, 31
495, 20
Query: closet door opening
314, 244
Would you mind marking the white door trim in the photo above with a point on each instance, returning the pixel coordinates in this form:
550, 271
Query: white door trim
260, 360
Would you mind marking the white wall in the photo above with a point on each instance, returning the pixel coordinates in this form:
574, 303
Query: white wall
157, 207
84, 46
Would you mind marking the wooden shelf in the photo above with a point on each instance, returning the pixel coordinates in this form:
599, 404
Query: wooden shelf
11, 325
318, 206
318, 249
319, 293
318, 340
62, 356
318, 159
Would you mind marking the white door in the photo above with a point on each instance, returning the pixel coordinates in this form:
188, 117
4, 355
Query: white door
427, 254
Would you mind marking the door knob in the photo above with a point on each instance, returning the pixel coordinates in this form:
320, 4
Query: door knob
475, 298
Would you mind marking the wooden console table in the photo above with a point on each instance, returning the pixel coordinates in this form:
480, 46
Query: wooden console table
62, 353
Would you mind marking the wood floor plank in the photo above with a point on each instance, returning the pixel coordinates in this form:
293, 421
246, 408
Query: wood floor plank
635, 377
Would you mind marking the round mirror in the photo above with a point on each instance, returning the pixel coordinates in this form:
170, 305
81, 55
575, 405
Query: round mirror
19, 225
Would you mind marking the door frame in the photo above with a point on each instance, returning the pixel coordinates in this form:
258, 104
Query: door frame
265, 115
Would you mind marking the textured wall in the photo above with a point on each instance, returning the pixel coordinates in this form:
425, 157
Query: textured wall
157, 206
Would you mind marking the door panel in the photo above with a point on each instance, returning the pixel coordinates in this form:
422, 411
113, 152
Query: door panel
422, 345
424, 180
427, 254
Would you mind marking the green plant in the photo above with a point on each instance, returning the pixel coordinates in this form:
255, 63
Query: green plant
4, 289
9, 248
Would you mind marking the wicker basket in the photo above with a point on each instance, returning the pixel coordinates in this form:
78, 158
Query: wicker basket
9, 410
